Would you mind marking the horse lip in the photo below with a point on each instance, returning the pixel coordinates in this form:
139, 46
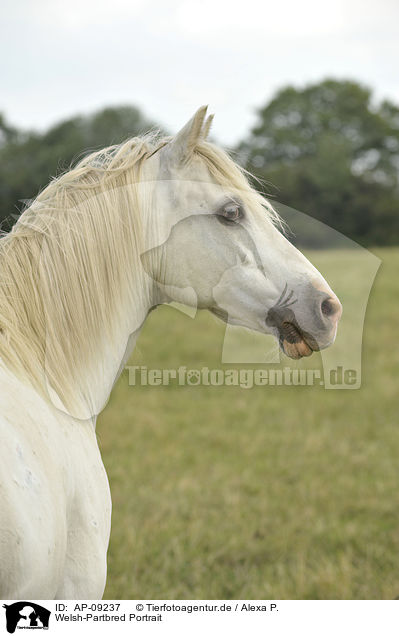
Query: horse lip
290, 332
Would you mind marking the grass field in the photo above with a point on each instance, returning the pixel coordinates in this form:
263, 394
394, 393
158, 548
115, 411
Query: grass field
281, 492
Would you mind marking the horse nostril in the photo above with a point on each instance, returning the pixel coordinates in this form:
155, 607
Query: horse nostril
331, 308
326, 307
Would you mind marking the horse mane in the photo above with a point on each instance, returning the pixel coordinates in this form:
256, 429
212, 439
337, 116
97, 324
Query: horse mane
59, 297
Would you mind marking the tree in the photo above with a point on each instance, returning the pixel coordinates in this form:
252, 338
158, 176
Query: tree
7, 132
333, 155
29, 160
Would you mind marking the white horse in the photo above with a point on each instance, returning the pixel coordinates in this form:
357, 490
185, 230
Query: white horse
148, 222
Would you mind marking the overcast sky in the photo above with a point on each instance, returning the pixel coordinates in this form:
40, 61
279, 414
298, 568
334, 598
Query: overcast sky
62, 57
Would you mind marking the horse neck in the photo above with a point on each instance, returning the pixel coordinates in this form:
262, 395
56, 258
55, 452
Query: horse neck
96, 375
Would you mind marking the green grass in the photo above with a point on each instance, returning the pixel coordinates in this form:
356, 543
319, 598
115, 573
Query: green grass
282, 492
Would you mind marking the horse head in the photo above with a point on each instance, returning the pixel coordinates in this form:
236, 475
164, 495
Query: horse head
221, 248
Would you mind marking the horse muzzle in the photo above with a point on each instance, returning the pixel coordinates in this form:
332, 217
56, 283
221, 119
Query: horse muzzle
320, 313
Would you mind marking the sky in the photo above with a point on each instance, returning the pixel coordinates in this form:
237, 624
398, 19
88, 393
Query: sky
59, 58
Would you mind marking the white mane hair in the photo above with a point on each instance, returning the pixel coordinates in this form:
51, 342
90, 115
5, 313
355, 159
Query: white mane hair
71, 265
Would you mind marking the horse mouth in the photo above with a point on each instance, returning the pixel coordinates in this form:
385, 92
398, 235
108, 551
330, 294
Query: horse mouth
294, 342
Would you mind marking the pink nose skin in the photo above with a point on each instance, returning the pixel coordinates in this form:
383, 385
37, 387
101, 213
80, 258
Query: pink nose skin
331, 309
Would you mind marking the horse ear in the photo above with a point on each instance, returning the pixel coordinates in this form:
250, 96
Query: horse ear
207, 127
183, 144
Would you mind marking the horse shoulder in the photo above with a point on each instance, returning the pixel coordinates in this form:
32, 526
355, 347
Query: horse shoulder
54, 494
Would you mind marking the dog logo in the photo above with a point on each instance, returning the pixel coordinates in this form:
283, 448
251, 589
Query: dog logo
26, 615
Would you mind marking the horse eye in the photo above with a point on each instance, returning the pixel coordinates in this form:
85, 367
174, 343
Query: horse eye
231, 212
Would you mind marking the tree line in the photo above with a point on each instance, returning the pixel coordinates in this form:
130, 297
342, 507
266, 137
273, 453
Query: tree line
327, 149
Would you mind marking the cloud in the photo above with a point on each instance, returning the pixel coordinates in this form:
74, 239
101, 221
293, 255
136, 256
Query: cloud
59, 58
225, 20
